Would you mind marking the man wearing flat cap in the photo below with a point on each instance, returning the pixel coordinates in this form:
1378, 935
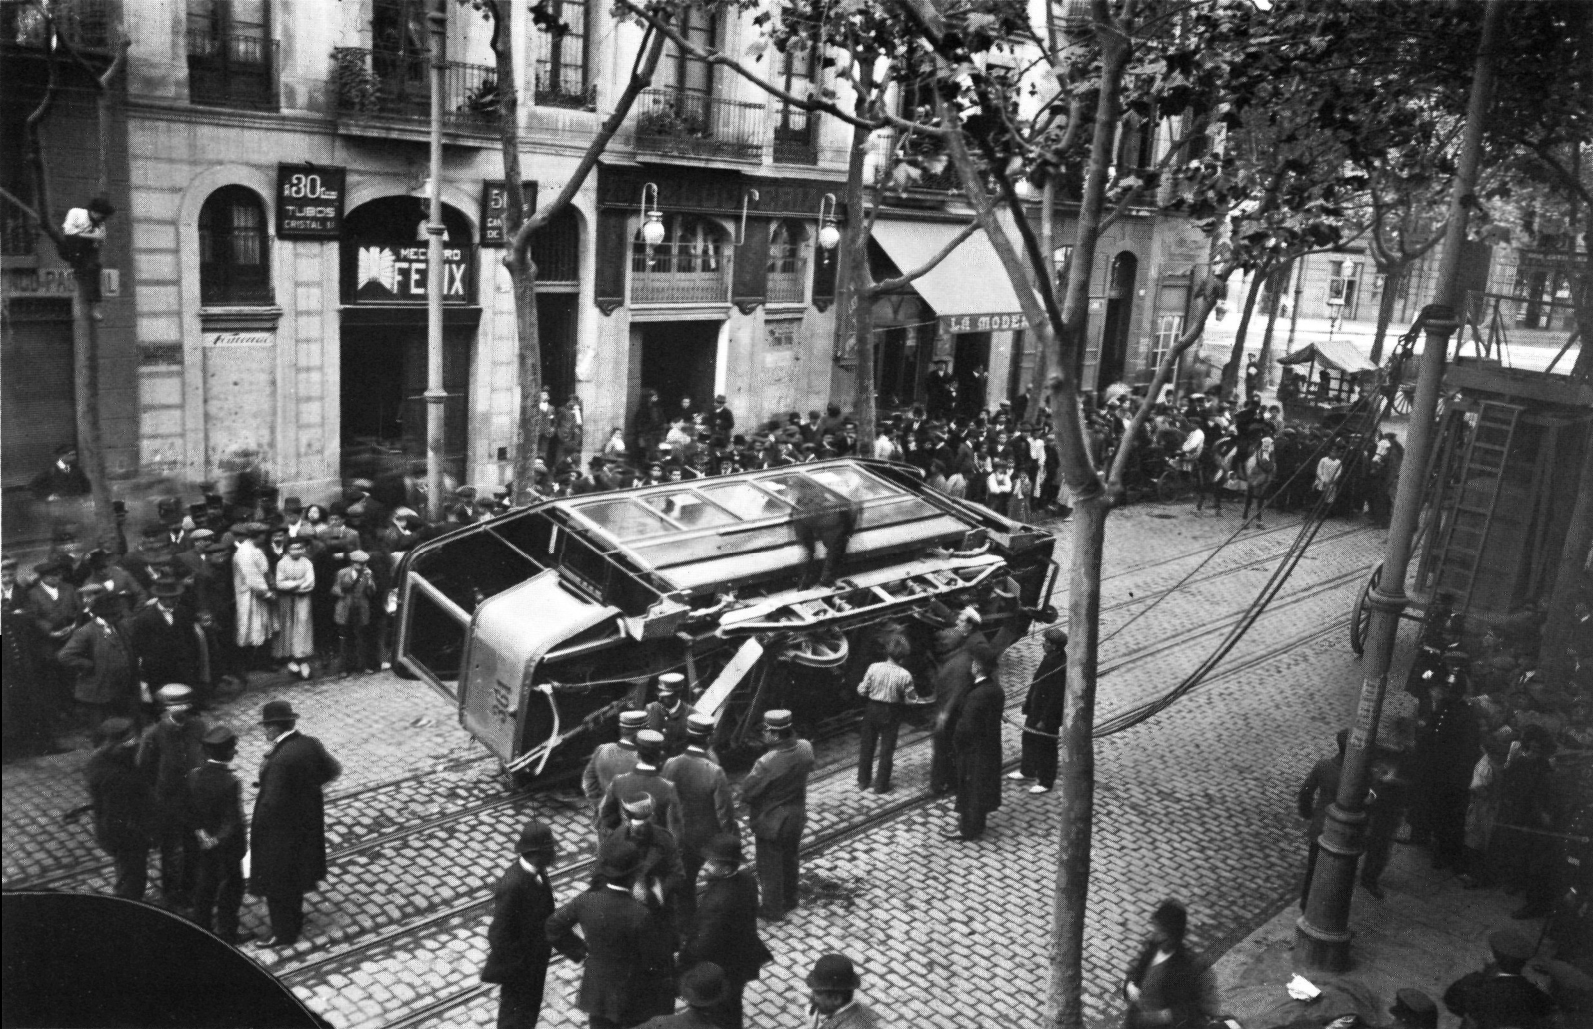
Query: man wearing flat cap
832, 997
704, 989
1499, 996
627, 949
724, 928
776, 791
517, 941
707, 808
169, 750
287, 835
612, 759
216, 813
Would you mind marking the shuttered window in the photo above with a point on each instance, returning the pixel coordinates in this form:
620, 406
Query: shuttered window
37, 403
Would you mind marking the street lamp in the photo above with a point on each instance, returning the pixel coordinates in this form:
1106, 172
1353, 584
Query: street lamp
829, 235
652, 218
750, 196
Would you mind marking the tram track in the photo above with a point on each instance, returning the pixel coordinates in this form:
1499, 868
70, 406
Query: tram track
409, 827
847, 831
443, 919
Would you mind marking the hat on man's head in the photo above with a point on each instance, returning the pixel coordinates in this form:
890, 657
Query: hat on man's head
55, 566
671, 682
175, 693
638, 805
1056, 636
699, 724
218, 736
115, 730
618, 857
633, 719
833, 972
777, 718
1509, 945
276, 711
704, 986
725, 847
534, 838
293, 505
1414, 1008
358, 556
199, 536
650, 744
938, 615
167, 588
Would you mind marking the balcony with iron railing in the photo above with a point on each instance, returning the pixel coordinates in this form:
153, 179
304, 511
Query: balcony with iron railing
690, 124
795, 145
571, 95
376, 91
232, 71
86, 24
679, 273
18, 235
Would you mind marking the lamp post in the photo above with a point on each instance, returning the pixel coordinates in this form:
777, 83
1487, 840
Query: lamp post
1322, 939
829, 235
435, 395
652, 217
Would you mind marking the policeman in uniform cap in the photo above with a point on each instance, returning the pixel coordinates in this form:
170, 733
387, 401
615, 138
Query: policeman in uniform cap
832, 1000
645, 778
776, 791
216, 799
1413, 1009
1499, 996
170, 749
707, 807
517, 941
670, 712
611, 759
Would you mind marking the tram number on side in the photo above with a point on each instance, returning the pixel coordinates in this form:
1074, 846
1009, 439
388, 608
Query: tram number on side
503, 706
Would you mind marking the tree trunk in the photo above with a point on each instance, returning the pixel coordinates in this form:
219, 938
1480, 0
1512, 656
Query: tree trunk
1076, 770
1392, 277
1236, 359
1560, 630
86, 401
1280, 282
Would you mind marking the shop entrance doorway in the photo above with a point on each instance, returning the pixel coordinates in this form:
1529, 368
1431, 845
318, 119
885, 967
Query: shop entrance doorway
383, 395
678, 360
1119, 315
970, 366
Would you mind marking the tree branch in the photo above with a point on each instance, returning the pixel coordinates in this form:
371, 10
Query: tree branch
928, 266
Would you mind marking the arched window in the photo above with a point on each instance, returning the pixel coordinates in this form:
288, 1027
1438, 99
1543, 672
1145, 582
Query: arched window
787, 267
234, 251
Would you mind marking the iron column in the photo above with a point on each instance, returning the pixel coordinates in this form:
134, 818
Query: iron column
435, 394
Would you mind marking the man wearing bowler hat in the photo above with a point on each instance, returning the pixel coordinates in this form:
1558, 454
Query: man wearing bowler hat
724, 930
1413, 1009
612, 759
288, 832
627, 949
776, 790
166, 640
216, 806
169, 750
517, 941
1499, 996
832, 1000
99, 654
703, 989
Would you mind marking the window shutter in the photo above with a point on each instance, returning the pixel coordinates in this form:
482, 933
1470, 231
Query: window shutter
613, 257
750, 285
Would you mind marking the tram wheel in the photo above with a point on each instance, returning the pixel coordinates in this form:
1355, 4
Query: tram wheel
1361, 615
1403, 399
823, 649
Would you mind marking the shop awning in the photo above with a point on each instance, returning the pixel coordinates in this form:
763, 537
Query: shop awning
968, 290
1338, 355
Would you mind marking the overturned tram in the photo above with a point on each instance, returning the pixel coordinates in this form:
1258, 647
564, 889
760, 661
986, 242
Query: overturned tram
543, 624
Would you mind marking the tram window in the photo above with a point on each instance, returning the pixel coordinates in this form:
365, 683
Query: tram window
745, 501
801, 491
626, 519
849, 482
688, 509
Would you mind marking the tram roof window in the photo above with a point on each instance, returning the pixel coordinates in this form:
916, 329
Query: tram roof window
625, 519
689, 509
849, 482
745, 501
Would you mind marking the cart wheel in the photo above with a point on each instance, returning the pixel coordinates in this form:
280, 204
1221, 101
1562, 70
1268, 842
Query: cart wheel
826, 648
1403, 399
1170, 485
1361, 616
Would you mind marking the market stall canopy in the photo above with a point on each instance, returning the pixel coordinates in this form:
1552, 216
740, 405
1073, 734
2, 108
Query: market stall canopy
1335, 354
965, 287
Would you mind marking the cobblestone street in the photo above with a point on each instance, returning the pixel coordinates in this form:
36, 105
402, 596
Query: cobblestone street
1197, 803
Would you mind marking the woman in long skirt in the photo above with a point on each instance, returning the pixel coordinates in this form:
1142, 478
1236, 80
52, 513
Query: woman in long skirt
295, 639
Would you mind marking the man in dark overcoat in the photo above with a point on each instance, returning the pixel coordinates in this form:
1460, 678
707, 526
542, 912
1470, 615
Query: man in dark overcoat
517, 941
171, 748
706, 806
1042, 713
287, 836
100, 656
724, 929
628, 950
976, 747
1445, 755
27, 673
645, 778
216, 804
1319, 790
952, 682
1499, 996
166, 640
123, 805
776, 791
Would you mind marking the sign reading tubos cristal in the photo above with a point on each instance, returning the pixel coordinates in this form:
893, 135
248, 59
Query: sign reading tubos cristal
309, 201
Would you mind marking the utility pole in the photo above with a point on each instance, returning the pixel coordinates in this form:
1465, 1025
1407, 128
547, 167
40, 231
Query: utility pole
435, 394
1323, 937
